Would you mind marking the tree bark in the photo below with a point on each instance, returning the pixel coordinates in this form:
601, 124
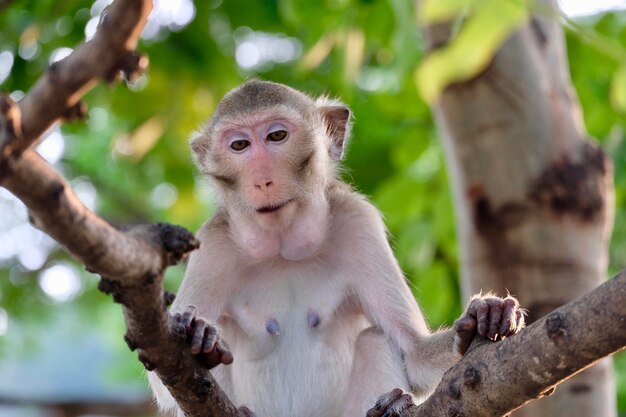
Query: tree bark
130, 262
494, 379
533, 197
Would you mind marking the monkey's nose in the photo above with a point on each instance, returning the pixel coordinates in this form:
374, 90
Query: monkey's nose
263, 185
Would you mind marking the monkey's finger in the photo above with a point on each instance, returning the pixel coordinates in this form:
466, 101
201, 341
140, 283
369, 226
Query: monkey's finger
398, 407
383, 402
188, 315
495, 316
197, 336
225, 356
209, 339
211, 359
465, 329
509, 319
479, 309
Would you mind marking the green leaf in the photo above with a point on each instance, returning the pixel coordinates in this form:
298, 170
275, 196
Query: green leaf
470, 53
618, 89
434, 11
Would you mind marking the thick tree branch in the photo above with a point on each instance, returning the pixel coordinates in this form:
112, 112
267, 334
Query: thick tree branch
131, 262
54, 207
103, 57
496, 378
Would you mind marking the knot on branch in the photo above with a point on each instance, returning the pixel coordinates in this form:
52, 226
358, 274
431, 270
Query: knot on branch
112, 288
202, 384
76, 112
169, 298
555, 323
472, 377
131, 66
176, 241
132, 345
147, 364
10, 121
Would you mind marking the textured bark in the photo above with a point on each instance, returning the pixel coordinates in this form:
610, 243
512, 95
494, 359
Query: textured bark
533, 196
130, 262
493, 379
58, 92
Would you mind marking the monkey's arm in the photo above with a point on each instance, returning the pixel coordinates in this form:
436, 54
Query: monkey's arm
388, 302
207, 286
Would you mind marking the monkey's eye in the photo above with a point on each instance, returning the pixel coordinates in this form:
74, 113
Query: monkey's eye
239, 144
276, 136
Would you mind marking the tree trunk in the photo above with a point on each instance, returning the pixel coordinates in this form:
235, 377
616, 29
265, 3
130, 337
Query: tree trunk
533, 197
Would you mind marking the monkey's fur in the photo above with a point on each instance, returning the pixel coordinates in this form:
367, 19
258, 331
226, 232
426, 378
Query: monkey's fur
296, 277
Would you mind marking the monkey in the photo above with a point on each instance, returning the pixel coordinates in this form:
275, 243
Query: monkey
295, 300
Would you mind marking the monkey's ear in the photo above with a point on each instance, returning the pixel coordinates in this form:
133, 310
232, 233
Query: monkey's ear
199, 146
337, 119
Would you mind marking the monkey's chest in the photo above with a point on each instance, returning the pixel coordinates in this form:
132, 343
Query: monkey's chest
291, 311
294, 341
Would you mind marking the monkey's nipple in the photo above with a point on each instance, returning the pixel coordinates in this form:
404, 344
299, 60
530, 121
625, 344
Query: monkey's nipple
272, 327
313, 319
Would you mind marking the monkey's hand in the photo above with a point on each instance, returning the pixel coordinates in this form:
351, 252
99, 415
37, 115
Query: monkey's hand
203, 339
392, 404
492, 317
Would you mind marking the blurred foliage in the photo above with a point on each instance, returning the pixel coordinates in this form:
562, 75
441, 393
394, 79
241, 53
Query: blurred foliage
134, 149
479, 30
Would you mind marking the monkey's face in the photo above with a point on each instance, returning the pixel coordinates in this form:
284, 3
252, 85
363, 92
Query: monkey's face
271, 151
268, 165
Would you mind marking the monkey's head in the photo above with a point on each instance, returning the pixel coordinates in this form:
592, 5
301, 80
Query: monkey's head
271, 150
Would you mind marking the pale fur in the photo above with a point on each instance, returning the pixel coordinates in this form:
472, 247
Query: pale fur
329, 255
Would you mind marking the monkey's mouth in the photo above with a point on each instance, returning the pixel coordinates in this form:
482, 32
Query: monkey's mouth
274, 207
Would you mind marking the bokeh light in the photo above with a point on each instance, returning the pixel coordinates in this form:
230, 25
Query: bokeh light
586, 7
60, 282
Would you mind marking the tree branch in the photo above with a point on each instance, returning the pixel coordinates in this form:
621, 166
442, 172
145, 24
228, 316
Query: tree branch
54, 207
103, 57
131, 262
496, 378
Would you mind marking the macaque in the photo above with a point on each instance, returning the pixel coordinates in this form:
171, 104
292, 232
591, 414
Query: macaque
295, 299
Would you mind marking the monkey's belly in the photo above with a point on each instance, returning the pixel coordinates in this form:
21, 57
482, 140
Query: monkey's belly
307, 377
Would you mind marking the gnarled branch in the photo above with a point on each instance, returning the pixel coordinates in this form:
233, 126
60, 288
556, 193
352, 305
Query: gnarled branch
110, 51
130, 262
494, 379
